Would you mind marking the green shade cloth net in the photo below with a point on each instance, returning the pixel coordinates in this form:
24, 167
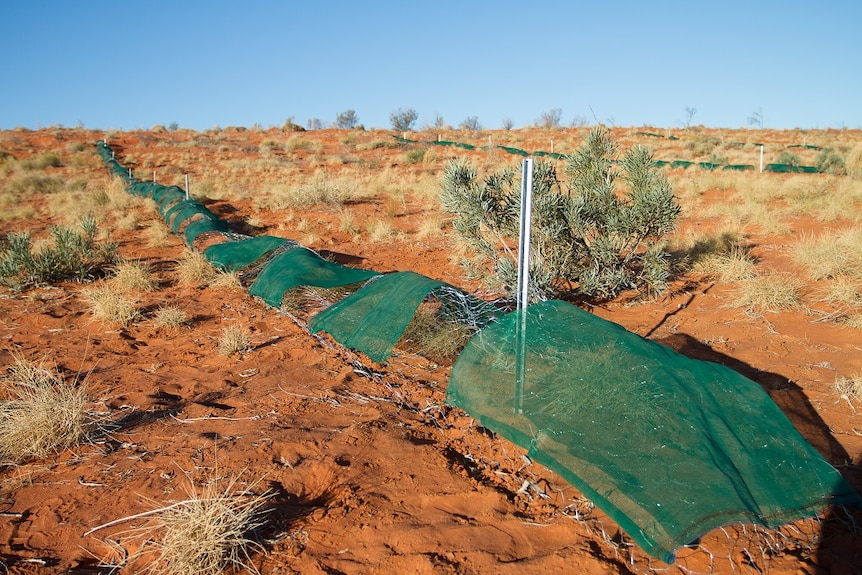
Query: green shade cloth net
373, 318
669, 447
302, 267
234, 256
184, 210
197, 227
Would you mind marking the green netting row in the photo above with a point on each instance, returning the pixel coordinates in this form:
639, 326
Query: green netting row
374, 318
674, 164
788, 168
238, 255
302, 267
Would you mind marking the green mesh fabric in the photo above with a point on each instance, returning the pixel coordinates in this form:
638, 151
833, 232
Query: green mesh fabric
185, 210
669, 447
302, 267
234, 256
373, 318
197, 227
144, 189
512, 150
167, 196
168, 213
680, 164
789, 168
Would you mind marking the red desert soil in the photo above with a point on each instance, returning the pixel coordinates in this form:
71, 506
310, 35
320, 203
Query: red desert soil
371, 472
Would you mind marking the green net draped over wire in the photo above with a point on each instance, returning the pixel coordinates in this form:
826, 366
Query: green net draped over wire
373, 318
234, 256
669, 447
302, 267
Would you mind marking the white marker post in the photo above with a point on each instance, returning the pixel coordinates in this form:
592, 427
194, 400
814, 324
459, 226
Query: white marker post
187, 186
761, 158
523, 283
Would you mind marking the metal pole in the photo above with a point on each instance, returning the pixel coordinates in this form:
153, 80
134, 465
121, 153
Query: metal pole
523, 283
187, 186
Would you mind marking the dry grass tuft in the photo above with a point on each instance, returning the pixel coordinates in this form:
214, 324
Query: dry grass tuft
110, 305
854, 321
853, 163
433, 337
170, 318
721, 256
830, 255
380, 230
430, 227
849, 389
194, 269
133, 275
226, 280
767, 293
157, 234
234, 339
843, 291
42, 415
208, 533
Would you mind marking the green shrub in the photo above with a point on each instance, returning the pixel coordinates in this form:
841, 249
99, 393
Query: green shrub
73, 256
830, 162
703, 144
416, 156
588, 235
789, 158
46, 160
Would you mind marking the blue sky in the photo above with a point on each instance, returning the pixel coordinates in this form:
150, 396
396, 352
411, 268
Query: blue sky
128, 65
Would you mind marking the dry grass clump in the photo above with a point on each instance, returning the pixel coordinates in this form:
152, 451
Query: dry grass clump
42, 414
853, 163
854, 321
110, 305
194, 269
849, 389
347, 222
843, 291
767, 293
170, 318
156, 234
431, 227
380, 230
226, 280
208, 533
133, 275
721, 256
831, 254
234, 339
320, 188
431, 336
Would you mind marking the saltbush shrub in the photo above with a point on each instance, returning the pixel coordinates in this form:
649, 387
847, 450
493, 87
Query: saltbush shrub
73, 255
590, 235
